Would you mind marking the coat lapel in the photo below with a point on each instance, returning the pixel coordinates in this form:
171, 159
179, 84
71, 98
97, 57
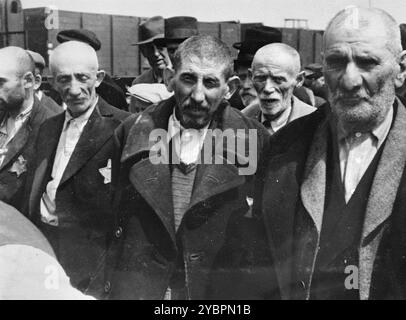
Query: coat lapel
382, 196
97, 131
152, 181
313, 188
20, 139
46, 148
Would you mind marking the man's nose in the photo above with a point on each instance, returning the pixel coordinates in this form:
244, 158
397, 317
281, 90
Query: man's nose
74, 88
269, 86
246, 83
352, 78
157, 53
198, 93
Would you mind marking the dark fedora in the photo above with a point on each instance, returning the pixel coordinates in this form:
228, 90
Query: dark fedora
403, 35
151, 29
178, 29
82, 35
255, 38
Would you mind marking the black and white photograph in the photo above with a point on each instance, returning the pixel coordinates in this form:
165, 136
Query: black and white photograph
223, 151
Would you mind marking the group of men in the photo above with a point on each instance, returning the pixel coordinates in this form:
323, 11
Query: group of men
190, 198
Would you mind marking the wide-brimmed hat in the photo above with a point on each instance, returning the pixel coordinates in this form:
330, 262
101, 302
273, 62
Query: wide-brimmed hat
255, 38
151, 29
178, 29
82, 35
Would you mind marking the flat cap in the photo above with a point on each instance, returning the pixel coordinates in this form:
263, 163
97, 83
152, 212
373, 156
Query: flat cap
82, 35
38, 59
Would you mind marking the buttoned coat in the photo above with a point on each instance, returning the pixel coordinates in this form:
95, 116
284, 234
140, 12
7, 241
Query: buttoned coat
20, 155
83, 197
295, 177
209, 240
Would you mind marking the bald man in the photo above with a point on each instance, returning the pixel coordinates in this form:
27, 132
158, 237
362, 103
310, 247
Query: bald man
275, 73
21, 115
333, 191
70, 194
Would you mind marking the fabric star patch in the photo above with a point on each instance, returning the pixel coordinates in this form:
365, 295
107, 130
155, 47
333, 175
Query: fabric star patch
19, 166
106, 172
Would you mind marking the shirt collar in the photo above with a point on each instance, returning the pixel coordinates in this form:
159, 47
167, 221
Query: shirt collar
379, 133
282, 119
21, 116
84, 117
174, 127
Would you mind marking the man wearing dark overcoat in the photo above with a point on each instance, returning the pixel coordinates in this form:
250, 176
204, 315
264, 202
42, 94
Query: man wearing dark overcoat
21, 115
70, 183
333, 193
179, 212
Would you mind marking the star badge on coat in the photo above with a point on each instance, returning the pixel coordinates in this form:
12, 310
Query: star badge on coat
106, 172
19, 166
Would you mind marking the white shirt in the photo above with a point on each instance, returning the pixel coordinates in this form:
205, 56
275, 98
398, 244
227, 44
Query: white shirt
187, 142
71, 132
357, 152
280, 122
10, 126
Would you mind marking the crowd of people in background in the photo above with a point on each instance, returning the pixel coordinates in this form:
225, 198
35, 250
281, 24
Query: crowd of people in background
87, 213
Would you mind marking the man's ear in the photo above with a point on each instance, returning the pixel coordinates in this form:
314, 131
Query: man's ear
100, 76
300, 79
38, 81
29, 80
169, 75
250, 73
233, 84
400, 78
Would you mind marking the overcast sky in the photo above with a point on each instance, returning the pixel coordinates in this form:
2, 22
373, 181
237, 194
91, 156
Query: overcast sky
269, 12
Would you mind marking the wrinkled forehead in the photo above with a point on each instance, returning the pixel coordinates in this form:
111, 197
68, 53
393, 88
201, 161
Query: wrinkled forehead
357, 28
74, 64
202, 65
276, 62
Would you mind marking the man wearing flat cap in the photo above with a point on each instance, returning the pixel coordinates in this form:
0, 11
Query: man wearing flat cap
314, 80
46, 101
109, 90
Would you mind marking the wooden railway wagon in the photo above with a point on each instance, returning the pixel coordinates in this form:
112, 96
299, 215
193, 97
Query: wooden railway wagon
36, 29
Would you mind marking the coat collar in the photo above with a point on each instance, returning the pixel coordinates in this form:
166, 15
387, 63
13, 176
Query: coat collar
153, 181
20, 139
98, 129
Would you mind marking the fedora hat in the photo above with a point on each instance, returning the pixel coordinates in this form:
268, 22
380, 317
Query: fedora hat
255, 38
82, 35
151, 29
178, 29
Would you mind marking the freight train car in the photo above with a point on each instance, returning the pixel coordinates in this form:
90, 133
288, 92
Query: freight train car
36, 29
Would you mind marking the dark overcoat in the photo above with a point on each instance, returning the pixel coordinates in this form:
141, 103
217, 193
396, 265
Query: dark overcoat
294, 177
20, 155
213, 240
83, 197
